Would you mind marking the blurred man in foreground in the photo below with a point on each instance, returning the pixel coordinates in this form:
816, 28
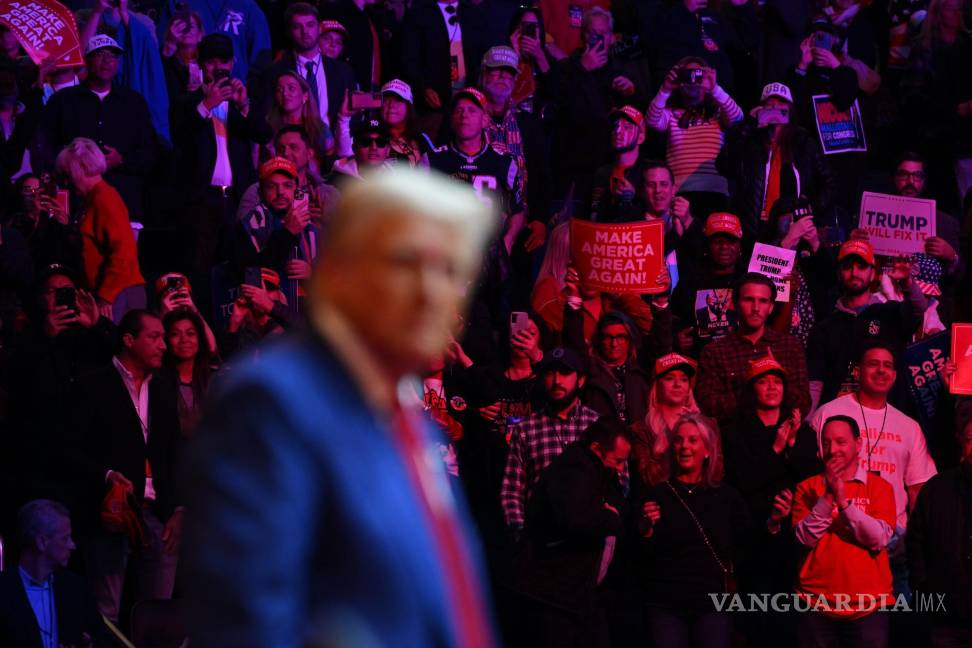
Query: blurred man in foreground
317, 516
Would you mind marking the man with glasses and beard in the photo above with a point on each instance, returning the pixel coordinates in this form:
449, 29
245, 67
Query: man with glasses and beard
940, 264
545, 434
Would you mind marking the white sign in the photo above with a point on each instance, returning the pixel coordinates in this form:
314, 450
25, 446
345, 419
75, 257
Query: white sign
776, 263
897, 225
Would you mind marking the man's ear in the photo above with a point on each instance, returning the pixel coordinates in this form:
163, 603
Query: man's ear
581, 378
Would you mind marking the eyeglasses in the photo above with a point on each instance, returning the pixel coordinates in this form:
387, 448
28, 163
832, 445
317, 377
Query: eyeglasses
378, 142
914, 175
611, 339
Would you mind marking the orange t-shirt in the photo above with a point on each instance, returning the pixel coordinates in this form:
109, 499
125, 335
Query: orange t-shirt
837, 564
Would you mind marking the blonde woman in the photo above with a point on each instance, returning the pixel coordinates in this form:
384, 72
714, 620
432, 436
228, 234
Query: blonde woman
670, 398
693, 527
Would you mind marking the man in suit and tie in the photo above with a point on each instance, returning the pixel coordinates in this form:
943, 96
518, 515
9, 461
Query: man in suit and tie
214, 130
442, 46
127, 429
41, 605
317, 515
329, 79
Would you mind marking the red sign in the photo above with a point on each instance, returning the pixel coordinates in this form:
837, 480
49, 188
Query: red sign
46, 30
962, 356
618, 258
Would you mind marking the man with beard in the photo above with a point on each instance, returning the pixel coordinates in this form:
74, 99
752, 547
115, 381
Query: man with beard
940, 257
545, 434
860, 314
292, 143
517, 132
618, 194
278, 233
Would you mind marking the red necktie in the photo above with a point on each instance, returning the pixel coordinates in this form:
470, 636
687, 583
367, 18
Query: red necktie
472, 628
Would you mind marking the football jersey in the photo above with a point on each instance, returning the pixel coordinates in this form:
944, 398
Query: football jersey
495, 176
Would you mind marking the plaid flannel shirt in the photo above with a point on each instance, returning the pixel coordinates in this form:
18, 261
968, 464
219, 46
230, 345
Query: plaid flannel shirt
725, 363
534, 443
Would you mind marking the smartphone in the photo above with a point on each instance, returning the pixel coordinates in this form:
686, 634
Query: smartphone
768, 116
595, 39
66, 297
690, 76
219, 75
529, 29
364, 100
301, 199
253, 277
802, 212
519, 321
173, 284
824, 40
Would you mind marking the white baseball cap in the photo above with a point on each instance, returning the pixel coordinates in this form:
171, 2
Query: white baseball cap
776, 90
100, 41
399, 88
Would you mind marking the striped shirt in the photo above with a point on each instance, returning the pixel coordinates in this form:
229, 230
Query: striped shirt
692, 151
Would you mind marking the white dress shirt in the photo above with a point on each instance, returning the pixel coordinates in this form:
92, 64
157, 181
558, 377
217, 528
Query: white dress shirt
318, 64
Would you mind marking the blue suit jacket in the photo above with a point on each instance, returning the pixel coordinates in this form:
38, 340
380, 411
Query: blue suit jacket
303, 524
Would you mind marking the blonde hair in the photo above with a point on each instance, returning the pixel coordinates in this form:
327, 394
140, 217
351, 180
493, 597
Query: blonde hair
653, 439
712, 469
81, 159
931, 30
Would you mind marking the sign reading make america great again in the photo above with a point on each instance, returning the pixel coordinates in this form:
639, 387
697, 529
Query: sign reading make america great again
618, 258
46, 30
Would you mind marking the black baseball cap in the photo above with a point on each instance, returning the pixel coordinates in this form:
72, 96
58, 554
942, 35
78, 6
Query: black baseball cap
564, 358
215, 46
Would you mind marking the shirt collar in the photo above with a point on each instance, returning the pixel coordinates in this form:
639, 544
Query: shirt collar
316, 60
127, 375
357, 358
860, 475
30, 582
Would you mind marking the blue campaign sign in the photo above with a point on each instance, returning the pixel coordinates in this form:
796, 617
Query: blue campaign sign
925, 361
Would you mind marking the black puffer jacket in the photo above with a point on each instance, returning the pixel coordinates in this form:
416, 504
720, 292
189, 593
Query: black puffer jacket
744, 162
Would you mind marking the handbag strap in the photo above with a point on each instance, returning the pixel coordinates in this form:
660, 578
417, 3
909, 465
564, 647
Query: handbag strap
698, 525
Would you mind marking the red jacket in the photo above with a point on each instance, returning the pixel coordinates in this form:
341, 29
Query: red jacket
108, 249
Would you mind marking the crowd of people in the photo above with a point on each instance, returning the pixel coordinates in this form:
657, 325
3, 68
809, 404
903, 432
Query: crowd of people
631, 461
